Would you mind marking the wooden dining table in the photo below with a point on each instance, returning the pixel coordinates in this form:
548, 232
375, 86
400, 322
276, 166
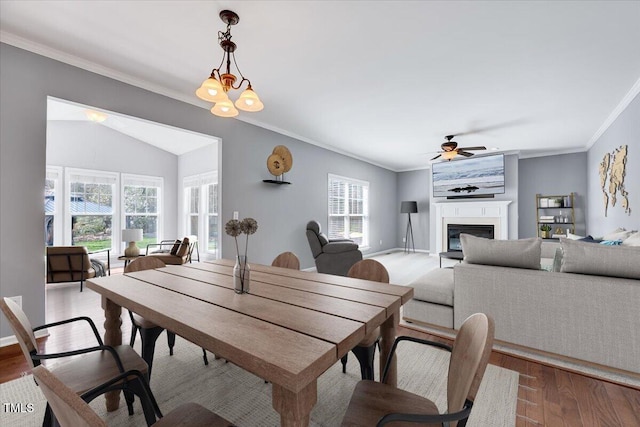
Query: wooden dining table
289, 329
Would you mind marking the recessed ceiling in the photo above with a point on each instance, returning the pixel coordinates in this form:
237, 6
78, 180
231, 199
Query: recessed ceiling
167, 138
384, 81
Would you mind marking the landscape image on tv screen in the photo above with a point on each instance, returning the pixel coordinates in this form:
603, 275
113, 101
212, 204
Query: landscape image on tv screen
469, 177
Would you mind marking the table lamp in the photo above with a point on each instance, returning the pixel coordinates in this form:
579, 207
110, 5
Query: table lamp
409, 208
132, 235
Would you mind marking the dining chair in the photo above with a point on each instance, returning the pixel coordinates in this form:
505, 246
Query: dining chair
71, 411
374, 403
96, 365
287, 260
149, 331
365, 351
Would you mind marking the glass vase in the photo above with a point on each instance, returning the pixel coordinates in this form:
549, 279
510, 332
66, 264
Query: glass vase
241, 275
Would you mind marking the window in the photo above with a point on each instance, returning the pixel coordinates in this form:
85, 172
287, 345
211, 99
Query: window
349, 209
142, 205
93, 212
91, 208
201, 209
193, 209
52, 206
212, 215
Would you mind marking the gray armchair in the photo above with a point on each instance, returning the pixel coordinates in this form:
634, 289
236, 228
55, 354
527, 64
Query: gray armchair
332, 256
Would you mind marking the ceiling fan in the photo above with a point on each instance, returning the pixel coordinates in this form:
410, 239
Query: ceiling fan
450, 149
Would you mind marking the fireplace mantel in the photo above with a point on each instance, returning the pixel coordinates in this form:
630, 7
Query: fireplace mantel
485, 212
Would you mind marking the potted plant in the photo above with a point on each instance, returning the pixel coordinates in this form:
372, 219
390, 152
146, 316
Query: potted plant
545, 231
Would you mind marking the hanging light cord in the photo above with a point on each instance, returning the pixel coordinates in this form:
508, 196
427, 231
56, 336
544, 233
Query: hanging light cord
222, 37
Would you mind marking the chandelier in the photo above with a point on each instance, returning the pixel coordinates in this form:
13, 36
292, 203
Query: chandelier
215, 88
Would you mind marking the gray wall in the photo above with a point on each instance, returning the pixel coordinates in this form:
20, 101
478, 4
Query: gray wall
26, 79
415, 185
89, 145
624, 131
552, 175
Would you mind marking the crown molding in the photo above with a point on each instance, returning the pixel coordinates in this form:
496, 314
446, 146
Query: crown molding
75, 61
281, 131
40, 49
630, 96
552, 153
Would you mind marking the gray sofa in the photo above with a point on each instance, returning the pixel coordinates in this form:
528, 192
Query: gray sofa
335, 256
582, 311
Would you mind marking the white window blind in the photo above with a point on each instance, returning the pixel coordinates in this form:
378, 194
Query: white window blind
92, 177
348, 209
141, 180
200, 180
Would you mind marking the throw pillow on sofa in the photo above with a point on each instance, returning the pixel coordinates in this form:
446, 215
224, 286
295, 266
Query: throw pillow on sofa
600, 260
184, 248
618, 234
523, 253
633, 240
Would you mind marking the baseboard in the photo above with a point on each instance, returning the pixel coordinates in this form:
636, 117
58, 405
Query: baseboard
388, 251
569, 364
374, 254
11, 339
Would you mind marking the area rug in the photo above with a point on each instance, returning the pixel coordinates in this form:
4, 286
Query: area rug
245, 399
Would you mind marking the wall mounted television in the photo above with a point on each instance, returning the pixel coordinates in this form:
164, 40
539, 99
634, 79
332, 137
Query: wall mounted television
481, 176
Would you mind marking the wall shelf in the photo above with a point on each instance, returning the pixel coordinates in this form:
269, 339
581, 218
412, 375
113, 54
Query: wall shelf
273, 181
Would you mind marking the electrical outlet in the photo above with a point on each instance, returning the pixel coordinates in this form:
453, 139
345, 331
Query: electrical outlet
236, 215
17, 300
404, 240
380, 242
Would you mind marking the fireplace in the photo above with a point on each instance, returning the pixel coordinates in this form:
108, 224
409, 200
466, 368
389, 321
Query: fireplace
495, 212
454, 230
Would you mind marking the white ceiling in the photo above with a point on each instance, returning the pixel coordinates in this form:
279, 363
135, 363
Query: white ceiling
384, 81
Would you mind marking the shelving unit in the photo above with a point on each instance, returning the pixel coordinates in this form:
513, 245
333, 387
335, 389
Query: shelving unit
557, 212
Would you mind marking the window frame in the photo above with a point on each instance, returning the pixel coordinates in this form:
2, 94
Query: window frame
97, 175
202, 182
56, 174
366, 187
147, 181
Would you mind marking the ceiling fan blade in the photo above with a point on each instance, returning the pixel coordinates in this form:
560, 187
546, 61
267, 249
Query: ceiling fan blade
464, 153
479, 147
436, 156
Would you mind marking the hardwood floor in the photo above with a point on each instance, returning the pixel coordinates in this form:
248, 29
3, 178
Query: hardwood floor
547, 396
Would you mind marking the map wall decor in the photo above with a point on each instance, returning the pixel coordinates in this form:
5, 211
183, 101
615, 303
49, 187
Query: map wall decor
613, 169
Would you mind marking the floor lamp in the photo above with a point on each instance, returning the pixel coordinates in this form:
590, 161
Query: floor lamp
409, 208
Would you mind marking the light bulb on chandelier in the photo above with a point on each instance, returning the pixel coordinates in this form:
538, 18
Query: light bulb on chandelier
215, 87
